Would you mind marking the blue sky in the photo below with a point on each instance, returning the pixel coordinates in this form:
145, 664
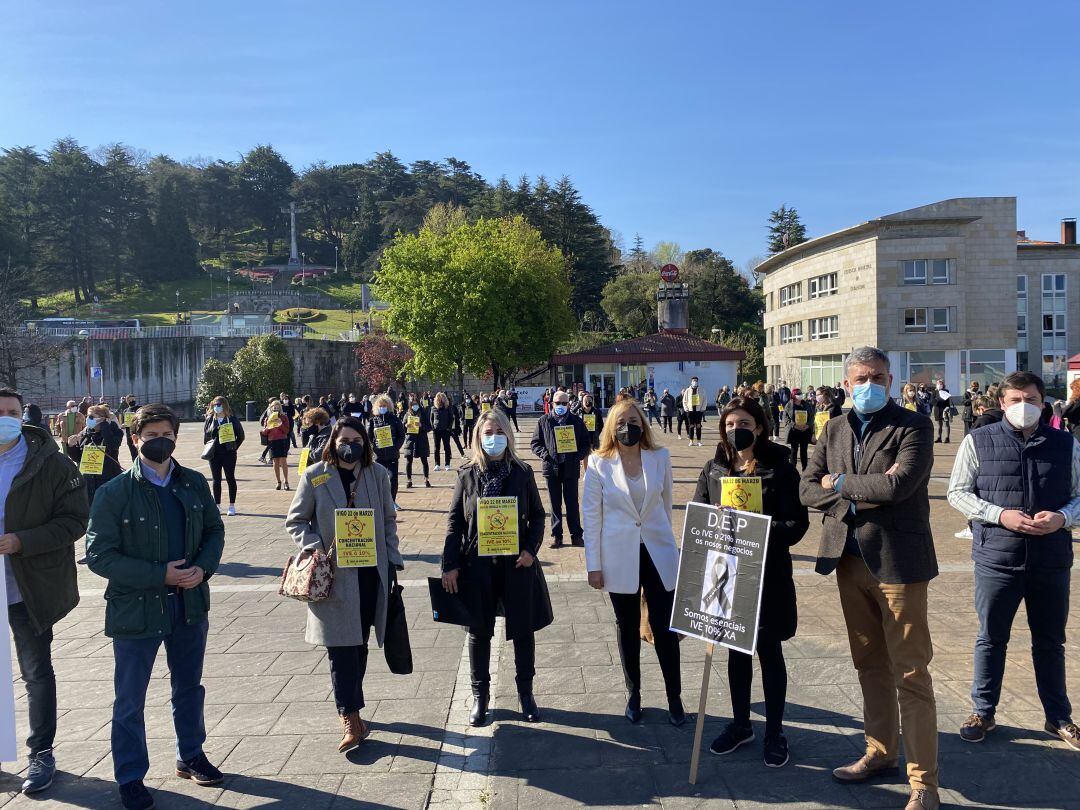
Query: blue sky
683, 121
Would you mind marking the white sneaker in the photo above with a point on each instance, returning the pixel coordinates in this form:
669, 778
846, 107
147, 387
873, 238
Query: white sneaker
397, 508
699, 444
964, 534
689, 444
232, 511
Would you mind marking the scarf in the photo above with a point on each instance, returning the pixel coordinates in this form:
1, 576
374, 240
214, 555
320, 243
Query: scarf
493, 479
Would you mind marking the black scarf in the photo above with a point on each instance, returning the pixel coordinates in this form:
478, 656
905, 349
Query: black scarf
493, 479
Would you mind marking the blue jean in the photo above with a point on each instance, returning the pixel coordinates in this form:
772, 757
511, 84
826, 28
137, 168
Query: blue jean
998, 594
185, 647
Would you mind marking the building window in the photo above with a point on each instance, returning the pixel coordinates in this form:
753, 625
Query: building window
824, 370
825, 328
922, 367
1021, 314
915, 319
940, 319
791, 294
791, 332
1054, 330
984, 366
822, 286
928, 271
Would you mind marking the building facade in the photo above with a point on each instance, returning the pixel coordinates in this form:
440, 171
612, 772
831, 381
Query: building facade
950, 290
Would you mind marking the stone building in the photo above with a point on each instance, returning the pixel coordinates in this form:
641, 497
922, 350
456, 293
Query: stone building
951, 290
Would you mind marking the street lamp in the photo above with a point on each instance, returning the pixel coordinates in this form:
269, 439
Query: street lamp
303, 262
177, 306
335, 259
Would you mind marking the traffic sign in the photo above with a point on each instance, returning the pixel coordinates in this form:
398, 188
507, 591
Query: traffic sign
95, 372
669, 273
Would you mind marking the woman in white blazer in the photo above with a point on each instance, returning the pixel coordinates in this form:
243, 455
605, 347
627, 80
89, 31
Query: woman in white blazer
630, 547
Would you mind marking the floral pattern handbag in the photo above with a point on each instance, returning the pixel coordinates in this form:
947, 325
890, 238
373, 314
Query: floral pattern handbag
308, 576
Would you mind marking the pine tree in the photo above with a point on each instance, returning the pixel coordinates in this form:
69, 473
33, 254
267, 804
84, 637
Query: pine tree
785, 229
175, 247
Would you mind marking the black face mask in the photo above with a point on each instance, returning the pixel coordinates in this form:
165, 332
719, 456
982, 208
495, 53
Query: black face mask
157, 450
350, 452
741, 438
628, 434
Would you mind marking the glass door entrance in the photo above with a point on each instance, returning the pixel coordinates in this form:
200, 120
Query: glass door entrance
602, 388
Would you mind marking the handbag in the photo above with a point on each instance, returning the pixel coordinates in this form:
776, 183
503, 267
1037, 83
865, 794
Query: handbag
208, 451
396, 646
308, 576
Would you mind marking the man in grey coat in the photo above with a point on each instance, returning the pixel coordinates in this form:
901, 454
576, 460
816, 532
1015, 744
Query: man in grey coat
869, 477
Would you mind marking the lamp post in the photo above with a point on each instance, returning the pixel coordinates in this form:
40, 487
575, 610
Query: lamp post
335, 259
303, 270
178, 307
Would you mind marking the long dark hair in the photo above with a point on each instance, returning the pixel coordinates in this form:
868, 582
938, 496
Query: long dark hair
725, 453
330, 455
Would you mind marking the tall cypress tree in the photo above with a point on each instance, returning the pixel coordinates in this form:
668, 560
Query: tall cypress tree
785, 229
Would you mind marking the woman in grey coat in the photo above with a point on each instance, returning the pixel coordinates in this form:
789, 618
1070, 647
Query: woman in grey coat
347, 477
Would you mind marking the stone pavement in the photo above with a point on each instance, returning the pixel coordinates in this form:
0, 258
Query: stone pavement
273, 730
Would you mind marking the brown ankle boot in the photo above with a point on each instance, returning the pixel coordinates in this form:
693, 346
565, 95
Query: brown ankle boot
353, 731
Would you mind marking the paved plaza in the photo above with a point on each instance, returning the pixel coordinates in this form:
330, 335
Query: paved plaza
273, 729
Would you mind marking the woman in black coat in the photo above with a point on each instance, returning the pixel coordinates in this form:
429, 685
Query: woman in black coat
442, 422
223, 456
417, 427
594, 422
470, 412
512, 580
745, 450
103, 434
387, 443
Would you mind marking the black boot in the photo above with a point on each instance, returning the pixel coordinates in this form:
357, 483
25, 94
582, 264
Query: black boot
529, 711
676, 714
633, 707
478, 715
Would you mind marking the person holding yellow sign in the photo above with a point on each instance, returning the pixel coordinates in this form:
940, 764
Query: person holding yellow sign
594, 421
222, 436
417, 428
96, 449
494, 531
694, 406
752, 474
344, 507
386, 434
470, 412
827, 408
561, 441
800, 418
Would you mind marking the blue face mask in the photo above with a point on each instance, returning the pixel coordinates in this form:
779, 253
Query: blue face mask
10, 429
218, 409
415, 407
91, 423
869, 397
560, 410
382, 410
494, 444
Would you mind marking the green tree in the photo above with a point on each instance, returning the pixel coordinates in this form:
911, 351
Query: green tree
484, 296
124, 202
20, 168
785, 229
630, 302
263, 369
175, 248
752, 342
720, 297
218, 379
263, 180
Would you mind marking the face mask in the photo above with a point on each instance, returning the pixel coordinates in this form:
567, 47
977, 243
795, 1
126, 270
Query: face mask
157, 450
821, 401
741, 438
693, 384
10, 429
628, 434
382, 410
416, 407
560, 410
869, 397
1023, 415
218, 409
494, 444
91, 423
350, 451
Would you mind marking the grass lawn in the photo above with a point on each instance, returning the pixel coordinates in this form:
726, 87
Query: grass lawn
135, 300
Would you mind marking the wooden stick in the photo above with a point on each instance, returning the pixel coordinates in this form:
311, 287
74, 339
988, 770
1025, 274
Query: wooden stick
699, 724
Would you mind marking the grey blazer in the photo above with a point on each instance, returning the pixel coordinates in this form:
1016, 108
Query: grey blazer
335, 622
894, 534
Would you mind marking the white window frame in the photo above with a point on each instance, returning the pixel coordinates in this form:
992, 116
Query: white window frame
791, 333
823, 286
933, 279
825, 328
914, 279
932, 320
791, 294
915, 328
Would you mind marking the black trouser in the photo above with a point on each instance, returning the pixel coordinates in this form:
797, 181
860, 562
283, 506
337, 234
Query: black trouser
468, 432
693, 424
776, 422
740, 667
562, 486
680, 421
967, 426
442, 438
457, 441
130, 445
666, 422
513, 418
480, 660
348, 664
34, 653
800, 443
408, 466
224, 463
651, 413
391, 466
943, 418
627, 607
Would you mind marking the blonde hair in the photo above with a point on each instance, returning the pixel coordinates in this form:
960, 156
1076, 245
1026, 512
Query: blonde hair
440, 400
383, 401
274, 402
608, 441
100, 412
477, 457
225, 409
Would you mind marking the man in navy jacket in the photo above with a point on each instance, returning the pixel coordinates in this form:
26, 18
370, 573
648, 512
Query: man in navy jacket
562, 469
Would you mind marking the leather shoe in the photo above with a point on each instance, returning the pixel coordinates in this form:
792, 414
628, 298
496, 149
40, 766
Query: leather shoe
676, 714
633, 708
529, 711
922, 799
865, 768
479, 709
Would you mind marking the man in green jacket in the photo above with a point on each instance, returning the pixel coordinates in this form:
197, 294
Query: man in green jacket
43, 511
156, 535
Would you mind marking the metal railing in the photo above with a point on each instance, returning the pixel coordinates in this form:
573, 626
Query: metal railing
285, 330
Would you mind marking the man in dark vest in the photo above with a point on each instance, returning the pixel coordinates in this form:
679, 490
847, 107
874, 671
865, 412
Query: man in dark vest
1018, 482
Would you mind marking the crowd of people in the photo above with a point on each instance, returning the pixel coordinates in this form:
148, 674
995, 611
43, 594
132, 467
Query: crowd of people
155, 533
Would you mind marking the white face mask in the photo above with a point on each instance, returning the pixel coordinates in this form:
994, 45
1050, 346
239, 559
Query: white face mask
1023, 415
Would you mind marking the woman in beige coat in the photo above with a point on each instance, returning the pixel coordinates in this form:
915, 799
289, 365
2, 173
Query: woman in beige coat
347, 477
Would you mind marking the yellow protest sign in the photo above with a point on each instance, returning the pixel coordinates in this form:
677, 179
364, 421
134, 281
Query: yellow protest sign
590, 421
565, 439
741, 493
319, 480
695, 400
819, 422
497, 526
510, 403
129, 419
354, 530
92, 461
226, 433
485, 407
384, 437
469, 412
412, 425
800, 418
274, 420
910, 406
305, 456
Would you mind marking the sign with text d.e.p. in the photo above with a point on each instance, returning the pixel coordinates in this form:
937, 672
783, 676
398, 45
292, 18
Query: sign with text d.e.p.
721, 568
